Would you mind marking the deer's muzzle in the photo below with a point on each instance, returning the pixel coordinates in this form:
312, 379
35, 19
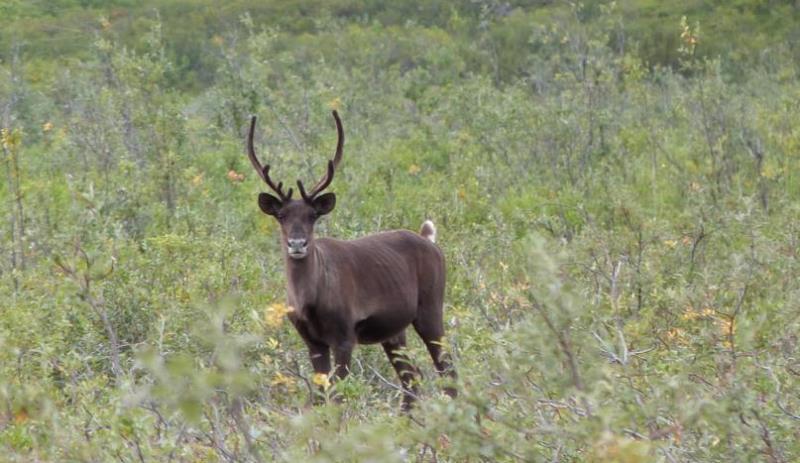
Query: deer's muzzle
297, 248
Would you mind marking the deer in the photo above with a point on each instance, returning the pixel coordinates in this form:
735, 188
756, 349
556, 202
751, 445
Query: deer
362, 291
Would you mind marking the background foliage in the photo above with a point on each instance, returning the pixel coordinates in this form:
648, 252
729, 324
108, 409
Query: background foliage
614, 184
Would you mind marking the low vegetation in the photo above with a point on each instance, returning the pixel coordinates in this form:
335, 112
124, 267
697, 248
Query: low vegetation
621, 229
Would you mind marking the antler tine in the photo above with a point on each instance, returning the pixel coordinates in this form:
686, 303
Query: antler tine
276, 188
303, 192
263, 171
321, 186
332, 165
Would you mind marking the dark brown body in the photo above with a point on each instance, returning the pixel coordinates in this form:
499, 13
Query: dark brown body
363, 291
369, 291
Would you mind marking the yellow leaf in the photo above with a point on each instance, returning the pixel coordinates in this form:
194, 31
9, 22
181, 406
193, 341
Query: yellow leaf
10, 138
281, 380
275, 313
322, 380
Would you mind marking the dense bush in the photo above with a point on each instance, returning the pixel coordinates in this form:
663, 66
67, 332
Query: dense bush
621, 236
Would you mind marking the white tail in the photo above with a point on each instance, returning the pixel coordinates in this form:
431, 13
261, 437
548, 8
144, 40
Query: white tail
428, 231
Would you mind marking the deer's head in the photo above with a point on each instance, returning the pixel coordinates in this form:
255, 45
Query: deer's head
297, 216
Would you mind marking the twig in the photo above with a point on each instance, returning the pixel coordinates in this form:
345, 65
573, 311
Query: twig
243, 427
565, 344
391, 384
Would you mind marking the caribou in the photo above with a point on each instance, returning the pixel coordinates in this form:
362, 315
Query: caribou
362, 291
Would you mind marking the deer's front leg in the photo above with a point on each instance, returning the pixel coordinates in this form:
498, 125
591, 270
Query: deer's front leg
319, 354
341, 355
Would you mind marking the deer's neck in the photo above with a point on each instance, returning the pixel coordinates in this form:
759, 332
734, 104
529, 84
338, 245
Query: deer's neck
304, 277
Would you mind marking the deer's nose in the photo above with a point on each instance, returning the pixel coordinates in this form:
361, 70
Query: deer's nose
297, 243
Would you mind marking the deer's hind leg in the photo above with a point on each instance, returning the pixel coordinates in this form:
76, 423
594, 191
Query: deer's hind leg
407, 373
429, 325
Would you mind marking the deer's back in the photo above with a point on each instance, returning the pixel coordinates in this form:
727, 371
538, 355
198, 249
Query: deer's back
386, 273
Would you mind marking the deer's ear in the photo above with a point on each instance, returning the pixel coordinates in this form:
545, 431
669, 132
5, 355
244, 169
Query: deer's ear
269, 204
323, 204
